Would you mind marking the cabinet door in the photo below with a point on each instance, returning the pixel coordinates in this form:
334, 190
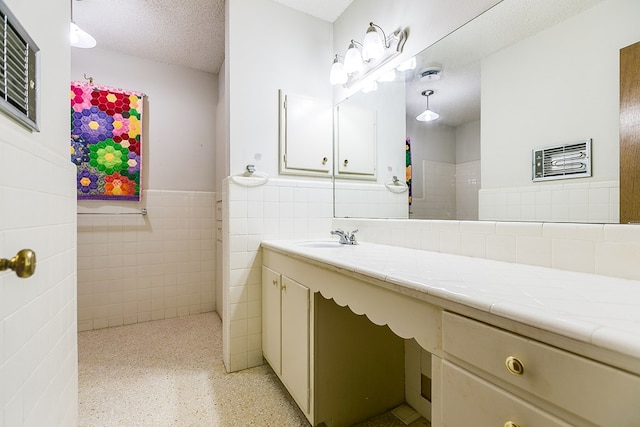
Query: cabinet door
356, 140
305, 135
295, 341
271, 318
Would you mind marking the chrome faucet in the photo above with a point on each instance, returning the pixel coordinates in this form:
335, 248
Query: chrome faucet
346, 238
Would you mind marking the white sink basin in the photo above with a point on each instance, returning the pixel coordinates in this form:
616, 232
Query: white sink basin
320, 244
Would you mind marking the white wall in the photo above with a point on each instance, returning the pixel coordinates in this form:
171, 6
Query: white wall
468, 142
179, 118
132, 268
38, 339
565, 84
270, 47
292, 52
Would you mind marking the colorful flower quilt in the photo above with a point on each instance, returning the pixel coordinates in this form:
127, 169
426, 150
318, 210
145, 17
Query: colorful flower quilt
106, 141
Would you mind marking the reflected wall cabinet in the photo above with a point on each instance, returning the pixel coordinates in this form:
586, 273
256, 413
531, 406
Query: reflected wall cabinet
355, 142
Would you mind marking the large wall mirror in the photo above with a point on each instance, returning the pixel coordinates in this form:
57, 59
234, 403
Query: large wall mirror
523, 76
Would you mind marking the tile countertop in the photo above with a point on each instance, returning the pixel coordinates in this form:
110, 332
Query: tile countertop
600, 310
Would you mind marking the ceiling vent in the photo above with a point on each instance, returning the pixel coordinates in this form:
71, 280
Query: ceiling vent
431, 73
562, 161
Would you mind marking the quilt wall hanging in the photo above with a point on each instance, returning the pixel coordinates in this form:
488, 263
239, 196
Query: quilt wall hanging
106, 141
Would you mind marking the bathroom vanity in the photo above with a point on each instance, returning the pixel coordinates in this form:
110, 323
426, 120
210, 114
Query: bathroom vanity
353, 331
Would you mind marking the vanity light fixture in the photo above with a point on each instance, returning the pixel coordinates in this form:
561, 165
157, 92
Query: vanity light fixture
363, 59
427, 115
78, 37
337, 75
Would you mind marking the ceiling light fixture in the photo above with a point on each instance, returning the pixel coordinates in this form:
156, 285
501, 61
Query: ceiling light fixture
78, 37
363, 59
427, 115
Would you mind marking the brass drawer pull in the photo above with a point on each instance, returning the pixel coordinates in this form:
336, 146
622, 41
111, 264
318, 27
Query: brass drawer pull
275, 282
514, 366
510, 424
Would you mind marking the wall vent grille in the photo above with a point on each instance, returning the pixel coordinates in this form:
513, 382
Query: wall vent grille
562, 161
18, 67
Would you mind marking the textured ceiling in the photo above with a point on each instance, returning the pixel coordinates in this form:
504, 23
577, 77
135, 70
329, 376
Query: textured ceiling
188, 33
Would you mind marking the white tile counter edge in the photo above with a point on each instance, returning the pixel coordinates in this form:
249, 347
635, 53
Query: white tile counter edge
595, 309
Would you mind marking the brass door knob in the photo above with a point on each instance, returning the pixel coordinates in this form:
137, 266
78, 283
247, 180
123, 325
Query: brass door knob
514, 365
24, 263
510, 424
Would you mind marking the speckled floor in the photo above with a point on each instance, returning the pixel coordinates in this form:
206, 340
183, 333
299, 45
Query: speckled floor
170, 373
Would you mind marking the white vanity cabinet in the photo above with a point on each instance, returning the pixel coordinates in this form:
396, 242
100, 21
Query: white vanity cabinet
285, 332
338, 366
522, 375
463, 366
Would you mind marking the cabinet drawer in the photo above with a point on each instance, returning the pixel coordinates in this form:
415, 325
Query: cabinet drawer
470, 401
598, 393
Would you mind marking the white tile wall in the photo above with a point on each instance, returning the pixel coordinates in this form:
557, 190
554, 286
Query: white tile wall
134, 268
606, 249
38, 337
467, 187
280, 209
560, 201
369, 200
450, 191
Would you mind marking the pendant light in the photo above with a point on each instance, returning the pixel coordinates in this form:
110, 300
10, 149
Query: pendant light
427, 115
78, 37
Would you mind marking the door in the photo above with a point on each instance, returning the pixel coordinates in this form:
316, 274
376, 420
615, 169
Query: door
295, 341
271, 309
356, 141
38, 339
630, 134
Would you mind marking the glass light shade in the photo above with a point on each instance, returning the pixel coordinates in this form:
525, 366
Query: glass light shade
337, 76
80, 38
373, 45
427, 115
353, 60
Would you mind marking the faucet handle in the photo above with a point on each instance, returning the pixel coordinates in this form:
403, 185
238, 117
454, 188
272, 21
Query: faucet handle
352, 237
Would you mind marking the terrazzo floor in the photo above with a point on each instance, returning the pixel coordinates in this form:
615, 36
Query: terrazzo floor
170, 373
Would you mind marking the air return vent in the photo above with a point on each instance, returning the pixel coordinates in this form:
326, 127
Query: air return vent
562, 161
18, 68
